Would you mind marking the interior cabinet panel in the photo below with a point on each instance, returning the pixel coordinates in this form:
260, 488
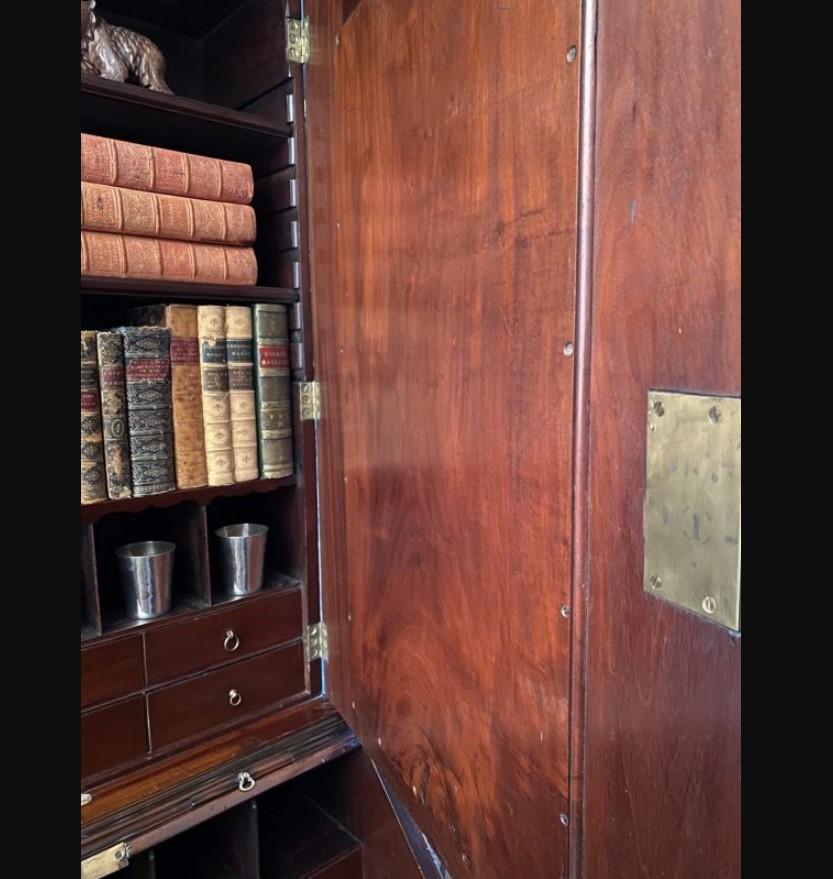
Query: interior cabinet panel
445, 287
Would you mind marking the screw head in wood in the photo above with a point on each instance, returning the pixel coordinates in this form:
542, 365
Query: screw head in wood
571, 54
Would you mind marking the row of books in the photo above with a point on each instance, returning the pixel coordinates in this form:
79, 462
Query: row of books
164, 214
185, 396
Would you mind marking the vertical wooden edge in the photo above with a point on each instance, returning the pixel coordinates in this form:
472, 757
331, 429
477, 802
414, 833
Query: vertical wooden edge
89, 577
581, 437
424, 857
320, 134
203, 580
240, 826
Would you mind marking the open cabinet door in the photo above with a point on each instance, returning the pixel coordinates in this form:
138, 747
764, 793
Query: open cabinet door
442, 144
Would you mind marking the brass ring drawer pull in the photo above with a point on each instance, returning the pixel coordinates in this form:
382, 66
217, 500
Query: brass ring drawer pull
245, 781
234, 698
231, 641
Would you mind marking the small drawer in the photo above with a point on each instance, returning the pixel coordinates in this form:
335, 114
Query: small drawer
111, 670
225, 695
113, 736
221, 636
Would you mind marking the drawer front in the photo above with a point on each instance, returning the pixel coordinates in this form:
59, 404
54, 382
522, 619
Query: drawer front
111, 670
222, 636
211, 700
113, 736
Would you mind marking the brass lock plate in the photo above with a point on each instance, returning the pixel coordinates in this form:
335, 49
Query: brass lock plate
692, 504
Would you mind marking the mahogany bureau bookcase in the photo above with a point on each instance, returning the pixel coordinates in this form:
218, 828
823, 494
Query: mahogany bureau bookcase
497, 226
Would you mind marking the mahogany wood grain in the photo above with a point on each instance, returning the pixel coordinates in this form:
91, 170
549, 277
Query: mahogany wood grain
202, 704
444, 298
111, 670
662, 756
113, 736
200, 642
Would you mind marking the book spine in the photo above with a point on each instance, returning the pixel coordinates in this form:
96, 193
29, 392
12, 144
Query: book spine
216, 414
241, 391
148, 382
131, 256
93, 483
186, 390
136, 166
272, 390
136, 212
114, 414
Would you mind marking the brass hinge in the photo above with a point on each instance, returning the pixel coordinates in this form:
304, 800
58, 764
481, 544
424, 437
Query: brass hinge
309, 401
316, 642
104, 863
297, 40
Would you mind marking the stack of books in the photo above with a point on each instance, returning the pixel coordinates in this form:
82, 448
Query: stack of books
183, 397
163, 214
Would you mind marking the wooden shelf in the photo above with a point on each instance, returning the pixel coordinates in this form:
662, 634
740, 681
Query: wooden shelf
93, 512
298, 840
130, 112
184, 605
176, 290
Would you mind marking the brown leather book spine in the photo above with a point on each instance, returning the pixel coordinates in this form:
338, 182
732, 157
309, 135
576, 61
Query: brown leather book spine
272, 390
241, 391
93, 483
130, 256
136, 166
216, 414
147, 366
186, 390
134, 212
114, 414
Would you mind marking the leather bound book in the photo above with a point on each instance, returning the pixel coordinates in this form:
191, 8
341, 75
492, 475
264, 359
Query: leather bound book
131, 256
186, 390
134, 212
216, 414
272, 390
93, 484
148, 381
241, 391
114, 414
136, 166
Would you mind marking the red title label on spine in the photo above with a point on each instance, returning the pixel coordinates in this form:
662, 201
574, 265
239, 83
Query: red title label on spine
150, 369
184, 350
274, 356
